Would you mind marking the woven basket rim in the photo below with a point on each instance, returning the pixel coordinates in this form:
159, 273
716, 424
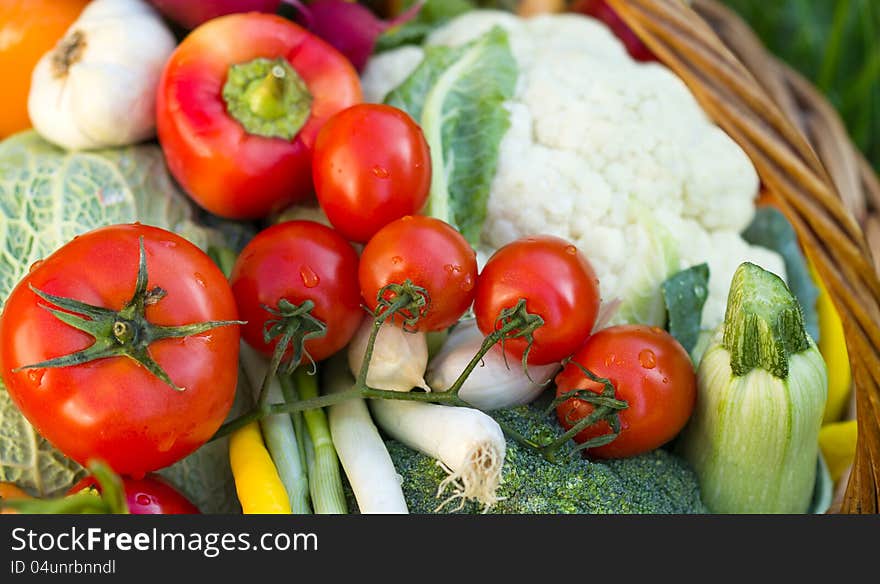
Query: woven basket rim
803, 154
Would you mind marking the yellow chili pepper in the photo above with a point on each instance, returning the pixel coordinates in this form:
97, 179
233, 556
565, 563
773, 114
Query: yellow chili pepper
257, 483
833, 348
838, 444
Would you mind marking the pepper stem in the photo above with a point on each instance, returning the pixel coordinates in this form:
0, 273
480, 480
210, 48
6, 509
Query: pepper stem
267, 97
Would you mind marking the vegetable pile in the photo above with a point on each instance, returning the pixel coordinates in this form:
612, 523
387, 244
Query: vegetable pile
508, 269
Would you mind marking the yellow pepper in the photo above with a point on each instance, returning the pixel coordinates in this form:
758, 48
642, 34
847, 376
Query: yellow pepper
833, 348
838, 444
257, 483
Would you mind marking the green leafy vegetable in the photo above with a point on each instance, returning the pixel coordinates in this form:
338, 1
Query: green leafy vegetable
457, 94
48, 196
433, 14
685, 294
772, 230
659, 253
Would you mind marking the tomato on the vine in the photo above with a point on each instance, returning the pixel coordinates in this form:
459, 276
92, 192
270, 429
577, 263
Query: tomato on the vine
239, 105
558, 284
151, 495
371, 166
299, 261
649, 369
433, 256
122, 345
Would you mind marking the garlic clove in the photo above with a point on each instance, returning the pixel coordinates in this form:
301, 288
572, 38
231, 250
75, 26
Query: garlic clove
399, 357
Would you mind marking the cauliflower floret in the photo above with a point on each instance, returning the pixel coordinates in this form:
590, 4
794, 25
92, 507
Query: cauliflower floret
612, 154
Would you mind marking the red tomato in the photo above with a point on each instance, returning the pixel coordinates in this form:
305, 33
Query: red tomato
648, 369
114, 408
431, 254
600, 10
228, 170
299, 261
558, 284
151, 495
371, 166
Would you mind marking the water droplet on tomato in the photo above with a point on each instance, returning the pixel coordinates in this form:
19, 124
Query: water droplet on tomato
200, 279
35, 265
609, 360
168, 244
665, 380
468, 283
143, 500
451, 269
380, 172
657, 330
396, 259
309, 278
647, 359
571, 250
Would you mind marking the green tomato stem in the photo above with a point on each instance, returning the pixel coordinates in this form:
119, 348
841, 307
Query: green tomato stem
124, 333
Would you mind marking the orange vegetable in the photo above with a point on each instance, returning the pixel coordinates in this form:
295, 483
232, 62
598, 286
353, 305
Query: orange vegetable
28, 29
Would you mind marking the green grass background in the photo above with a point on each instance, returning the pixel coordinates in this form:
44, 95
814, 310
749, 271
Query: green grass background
835, 44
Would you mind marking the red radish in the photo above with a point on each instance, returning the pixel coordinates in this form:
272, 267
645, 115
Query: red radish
600, 10
350, 27
191, 13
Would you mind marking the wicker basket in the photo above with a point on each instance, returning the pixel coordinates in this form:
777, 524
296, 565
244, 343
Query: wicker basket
804, 156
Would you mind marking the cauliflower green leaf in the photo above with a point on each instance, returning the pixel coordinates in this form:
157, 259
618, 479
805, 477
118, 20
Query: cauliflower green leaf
457, 94
643, 302
685, 294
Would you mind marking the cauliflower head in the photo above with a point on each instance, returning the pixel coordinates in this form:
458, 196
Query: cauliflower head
612, 154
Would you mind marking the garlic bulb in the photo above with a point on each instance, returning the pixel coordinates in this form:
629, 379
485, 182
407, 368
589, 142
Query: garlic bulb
494, 383
97, 87
399, 357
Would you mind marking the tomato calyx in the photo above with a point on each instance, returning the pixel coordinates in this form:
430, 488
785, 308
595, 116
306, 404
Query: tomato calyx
606, 407
267, 97
518, 323
293, 326
407, 300
123, 333
110, 499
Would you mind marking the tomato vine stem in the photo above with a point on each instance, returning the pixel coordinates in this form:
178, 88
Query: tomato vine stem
514, 322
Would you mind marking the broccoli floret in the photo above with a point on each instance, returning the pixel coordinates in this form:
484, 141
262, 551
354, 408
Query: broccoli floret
656, 482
